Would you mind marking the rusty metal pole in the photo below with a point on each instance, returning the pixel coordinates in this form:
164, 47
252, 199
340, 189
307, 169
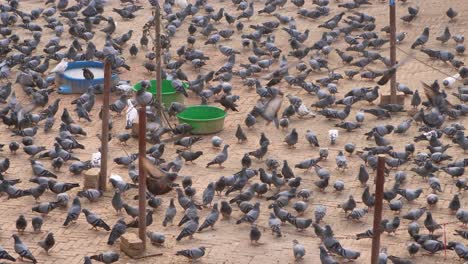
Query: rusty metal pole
379, 189
157, 45
142, 174
393, 97
105, 126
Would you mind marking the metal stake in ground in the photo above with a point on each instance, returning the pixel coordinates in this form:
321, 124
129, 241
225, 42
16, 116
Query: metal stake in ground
157, 46
379, 188
392, 9
105, 125
142, 174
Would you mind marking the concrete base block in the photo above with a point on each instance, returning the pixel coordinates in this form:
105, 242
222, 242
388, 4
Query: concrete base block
91, 178
132, 245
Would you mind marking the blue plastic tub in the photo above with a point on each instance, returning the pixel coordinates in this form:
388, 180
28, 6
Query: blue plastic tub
78, 84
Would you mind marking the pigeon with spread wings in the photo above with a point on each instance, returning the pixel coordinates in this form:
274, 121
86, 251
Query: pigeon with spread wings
158, 181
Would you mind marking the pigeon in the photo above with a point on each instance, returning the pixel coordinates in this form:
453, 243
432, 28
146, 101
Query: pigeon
94, 220
251, 216
255, 234
88, 74
91, 194
220, 158
36, 223
117, 231
21, 224
193, 253
22, 250
73, 212
325, 257
60, 67
462, 216
210, 219
216, 141
451, 13
189, 229
170, 213
430, 223
5, 255
156, 238
106, 257
422, 39
47, 243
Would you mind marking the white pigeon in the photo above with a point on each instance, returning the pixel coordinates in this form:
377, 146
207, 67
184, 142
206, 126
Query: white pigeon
333, 135
116, 177
181, 3
302, 111
132, 115
96, 159
61, 67
450, 81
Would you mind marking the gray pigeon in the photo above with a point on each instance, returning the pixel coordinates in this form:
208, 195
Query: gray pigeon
156, 238
211, 218
117, 231
73, 212
193, 253
189, 229
106, 257
5, 255
462, 216
251, 216
326, 258
430, 223
298, 250
291, 138
47, 243
22, 250
91, 194
95, 221
220, 158
36, 223
255, 234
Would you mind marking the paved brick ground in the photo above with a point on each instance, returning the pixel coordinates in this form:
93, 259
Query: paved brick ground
229, 243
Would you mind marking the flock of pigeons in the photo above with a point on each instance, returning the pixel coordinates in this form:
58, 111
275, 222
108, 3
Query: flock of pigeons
267, 68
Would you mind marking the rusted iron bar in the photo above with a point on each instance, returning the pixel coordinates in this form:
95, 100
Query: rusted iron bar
379, 189
392, 9
142, 174
105, 125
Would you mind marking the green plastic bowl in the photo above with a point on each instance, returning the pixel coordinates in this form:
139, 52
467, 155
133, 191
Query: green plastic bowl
169, 94
204, 119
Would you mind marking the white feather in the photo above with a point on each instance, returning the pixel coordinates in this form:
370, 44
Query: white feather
132, 114
61, 67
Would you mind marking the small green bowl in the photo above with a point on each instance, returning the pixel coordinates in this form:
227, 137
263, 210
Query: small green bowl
204, 119
169, 94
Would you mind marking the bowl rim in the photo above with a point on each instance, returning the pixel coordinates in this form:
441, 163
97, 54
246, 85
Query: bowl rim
202, 120
95, 64
185, 84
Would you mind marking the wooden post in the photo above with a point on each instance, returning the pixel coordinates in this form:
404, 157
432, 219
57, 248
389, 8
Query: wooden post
105, 125
157, 46
393, 97
379, 188
142, 174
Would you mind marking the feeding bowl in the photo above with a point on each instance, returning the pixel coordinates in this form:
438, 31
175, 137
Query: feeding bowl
72, 80
169, 94
204, 119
